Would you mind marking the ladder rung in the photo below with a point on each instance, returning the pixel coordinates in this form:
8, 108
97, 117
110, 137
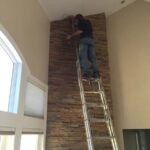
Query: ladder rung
90, 80
95, 105
98, 120
93, 92
103, 137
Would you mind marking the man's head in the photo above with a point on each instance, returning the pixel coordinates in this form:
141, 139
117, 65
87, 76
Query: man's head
79, 17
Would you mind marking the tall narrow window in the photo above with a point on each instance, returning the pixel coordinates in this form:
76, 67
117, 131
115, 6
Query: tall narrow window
34, 101
6, 141
35, 140
10, 75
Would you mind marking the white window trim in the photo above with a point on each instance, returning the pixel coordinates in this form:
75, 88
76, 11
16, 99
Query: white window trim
18, 122
16, 74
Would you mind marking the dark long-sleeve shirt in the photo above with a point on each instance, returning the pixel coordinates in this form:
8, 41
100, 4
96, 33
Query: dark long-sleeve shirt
86, 27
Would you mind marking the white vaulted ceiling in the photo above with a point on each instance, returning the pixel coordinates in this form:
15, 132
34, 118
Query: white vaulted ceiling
58, 9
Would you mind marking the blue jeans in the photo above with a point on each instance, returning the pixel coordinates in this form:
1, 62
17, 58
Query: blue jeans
87, 55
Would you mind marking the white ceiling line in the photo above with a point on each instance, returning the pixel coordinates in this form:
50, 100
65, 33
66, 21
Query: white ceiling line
59, 9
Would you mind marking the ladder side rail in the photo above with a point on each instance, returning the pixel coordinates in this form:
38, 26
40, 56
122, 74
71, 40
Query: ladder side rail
110, 124
84, 105
108, 114
82, 95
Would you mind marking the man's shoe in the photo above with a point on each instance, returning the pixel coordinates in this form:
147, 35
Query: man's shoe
96, 75
85, 76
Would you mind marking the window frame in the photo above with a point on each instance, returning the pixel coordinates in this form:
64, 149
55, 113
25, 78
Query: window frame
16, 73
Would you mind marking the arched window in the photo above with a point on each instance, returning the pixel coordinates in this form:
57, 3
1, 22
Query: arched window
10, 75
19, 86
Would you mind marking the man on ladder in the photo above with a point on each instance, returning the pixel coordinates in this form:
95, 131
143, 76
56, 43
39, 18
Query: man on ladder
87, 54
90, 70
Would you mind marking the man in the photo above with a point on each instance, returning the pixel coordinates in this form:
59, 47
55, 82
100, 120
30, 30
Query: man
86, 47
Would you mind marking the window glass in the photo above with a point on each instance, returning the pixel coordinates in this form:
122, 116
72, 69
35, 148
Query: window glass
6, 142
10, 75
6, 68
36, 142
34, 101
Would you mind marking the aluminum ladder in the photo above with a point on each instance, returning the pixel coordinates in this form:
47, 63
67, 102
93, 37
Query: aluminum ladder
102, 104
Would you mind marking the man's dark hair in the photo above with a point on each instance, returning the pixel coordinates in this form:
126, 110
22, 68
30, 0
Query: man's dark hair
79, 17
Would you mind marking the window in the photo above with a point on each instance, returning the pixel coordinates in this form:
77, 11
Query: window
34, 101
136, 139
6, 141
10, 75
24, 88
35, 140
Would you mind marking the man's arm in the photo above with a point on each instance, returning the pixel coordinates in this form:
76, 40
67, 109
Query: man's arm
76, 33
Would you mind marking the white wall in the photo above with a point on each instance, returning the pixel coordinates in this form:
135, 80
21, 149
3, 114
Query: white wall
129, 54
28, 25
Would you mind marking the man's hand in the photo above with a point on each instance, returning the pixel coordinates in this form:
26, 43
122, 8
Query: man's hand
76, 33
69, 37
